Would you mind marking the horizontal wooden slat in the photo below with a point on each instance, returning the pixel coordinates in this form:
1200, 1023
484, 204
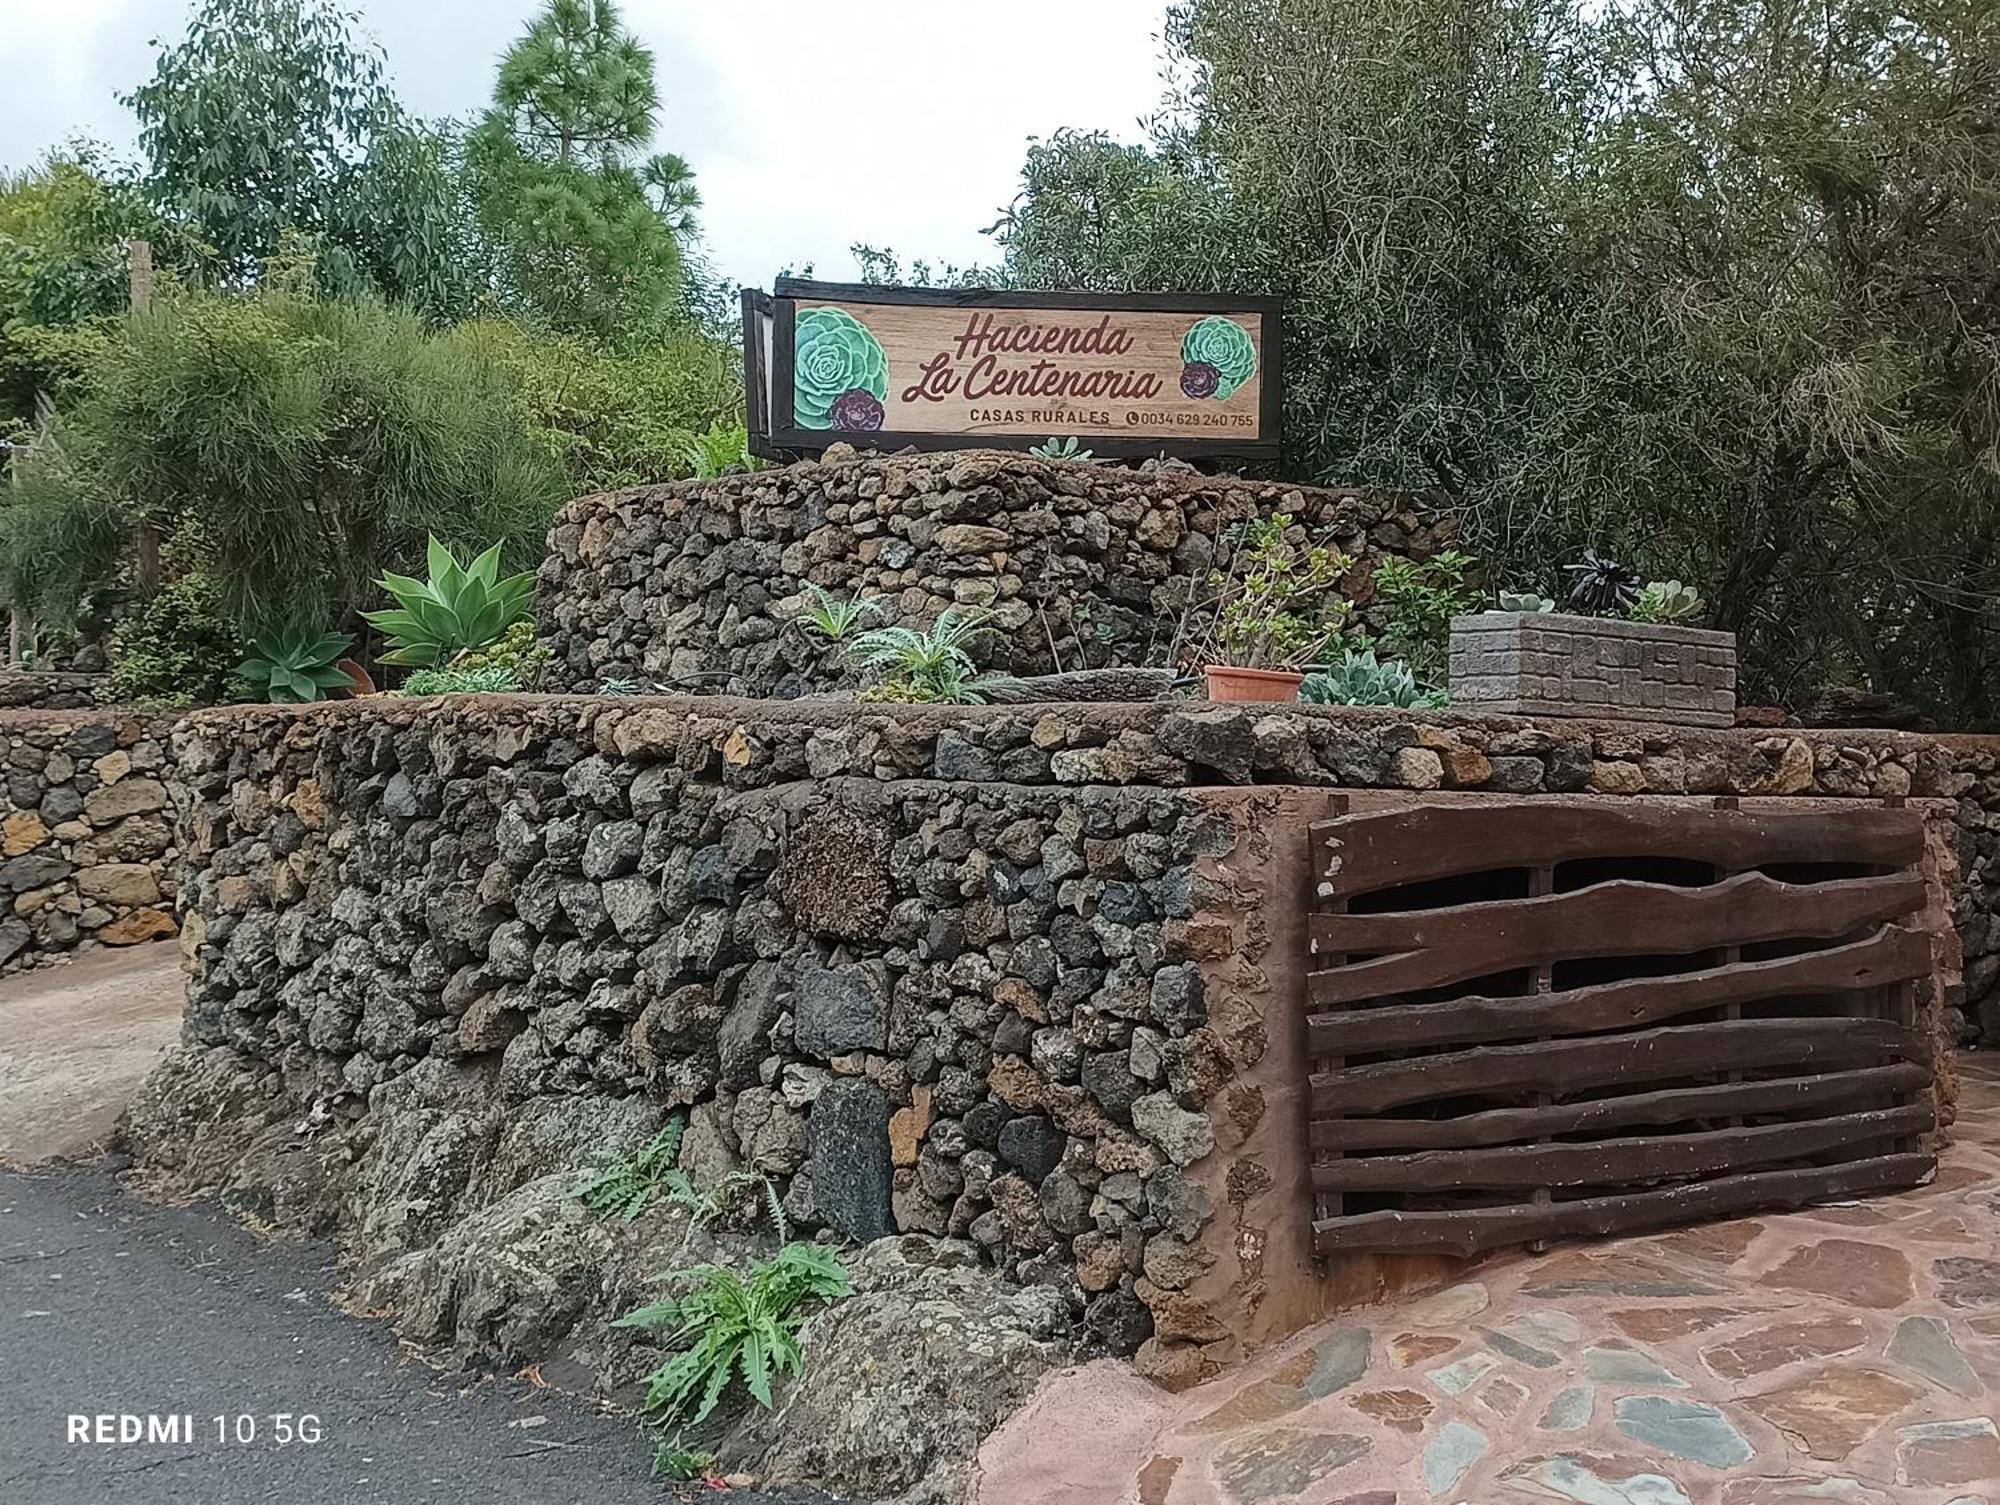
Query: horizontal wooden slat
1890, 955
1420, 842
1432, 947
1469, 1230
1569, 1066
1655, 1157
1831, 1092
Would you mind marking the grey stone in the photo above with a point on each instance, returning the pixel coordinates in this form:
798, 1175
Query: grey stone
840, 1010
1183, 1136
848, 1132
1451, 1450
1686, 1429
1032, 1145
1569, 1410
1625, 1366
1282, 1461
1925, 1344
1338, 1361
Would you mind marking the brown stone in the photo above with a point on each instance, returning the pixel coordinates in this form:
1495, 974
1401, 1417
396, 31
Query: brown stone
1261, 1400
120, 883
1949, 1452
1763, 1349
1617, 777
1966, 1282
488, 1024
908, 1126
1156, 1479
140, 925
1407, 1349
1417, 768
1856, 1273
1100, 1260
1179, 1316
234, 893
1715, 1242
308, 804
127, 797
1830, 1413
1280, 1462
1404, 1410
1017, 995
1502, 1396
113, 766
1800, 1491
1658, 1324
1174, 1367
22, 832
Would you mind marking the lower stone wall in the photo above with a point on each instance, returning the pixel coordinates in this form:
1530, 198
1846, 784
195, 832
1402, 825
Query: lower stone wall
87, 851
1975, 780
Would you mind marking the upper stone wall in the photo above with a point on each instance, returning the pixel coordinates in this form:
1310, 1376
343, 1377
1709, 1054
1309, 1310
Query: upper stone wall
701, 583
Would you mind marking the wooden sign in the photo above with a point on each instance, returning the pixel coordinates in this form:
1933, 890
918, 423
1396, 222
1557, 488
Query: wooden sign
958, 368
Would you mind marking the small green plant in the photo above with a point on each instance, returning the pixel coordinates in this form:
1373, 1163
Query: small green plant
1362, 679
295, 663
619, 687
517, 650
674, 1459
497, 680
726, 1325
1667, 601
932, 667
1420, 598
723, 450
833, 618
1601, 585
1525, 601
1276, 606
631, 1183
1062, 449
459, 607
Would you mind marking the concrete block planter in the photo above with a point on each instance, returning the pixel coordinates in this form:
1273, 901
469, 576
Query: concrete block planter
1549, 664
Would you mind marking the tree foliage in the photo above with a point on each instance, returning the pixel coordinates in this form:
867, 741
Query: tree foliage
584, 233
1711, 282
290, 447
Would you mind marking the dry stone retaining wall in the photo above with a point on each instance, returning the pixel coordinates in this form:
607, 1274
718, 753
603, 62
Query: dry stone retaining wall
702, 583
49, 690
991, 974
86, 833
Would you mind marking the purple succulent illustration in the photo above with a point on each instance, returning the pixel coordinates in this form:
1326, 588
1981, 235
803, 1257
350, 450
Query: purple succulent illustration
856, 409
1200, 379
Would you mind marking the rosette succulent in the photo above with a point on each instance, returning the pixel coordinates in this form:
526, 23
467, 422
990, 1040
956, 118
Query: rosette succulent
1225, 349
840, 377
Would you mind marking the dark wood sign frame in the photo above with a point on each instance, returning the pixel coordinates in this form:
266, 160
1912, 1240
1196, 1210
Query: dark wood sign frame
769, 330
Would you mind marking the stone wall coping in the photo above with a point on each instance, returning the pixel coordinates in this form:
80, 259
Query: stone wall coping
1603, 627
963, 468
1097, 716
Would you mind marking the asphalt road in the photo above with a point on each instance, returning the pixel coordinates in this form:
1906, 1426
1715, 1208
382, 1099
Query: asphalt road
110, 1308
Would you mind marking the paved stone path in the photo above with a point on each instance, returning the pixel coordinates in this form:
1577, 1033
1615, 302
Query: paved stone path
1847, 1355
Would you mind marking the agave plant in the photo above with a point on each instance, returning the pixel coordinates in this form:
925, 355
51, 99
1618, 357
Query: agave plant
460, 607
1667, 601
1062, 449
1525, 601
1601, 584
1362, 679
932, 666
296, 663
835, 619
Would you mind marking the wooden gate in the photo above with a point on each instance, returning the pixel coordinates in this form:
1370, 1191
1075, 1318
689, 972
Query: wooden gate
1575, 1015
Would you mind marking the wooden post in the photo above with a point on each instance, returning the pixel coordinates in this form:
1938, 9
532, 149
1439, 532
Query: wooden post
145, 536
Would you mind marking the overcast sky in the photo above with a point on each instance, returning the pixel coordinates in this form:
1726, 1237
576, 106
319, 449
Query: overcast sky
811, 124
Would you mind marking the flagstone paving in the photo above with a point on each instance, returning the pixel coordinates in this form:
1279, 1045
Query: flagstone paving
1843, 1355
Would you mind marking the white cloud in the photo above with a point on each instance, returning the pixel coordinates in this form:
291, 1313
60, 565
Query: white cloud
811, 124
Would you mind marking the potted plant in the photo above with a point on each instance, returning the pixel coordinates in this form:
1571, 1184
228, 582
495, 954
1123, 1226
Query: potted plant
1621, 648
1274, 611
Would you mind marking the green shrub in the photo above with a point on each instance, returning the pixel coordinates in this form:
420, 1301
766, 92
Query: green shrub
295, 663
179, 648
726, 1325
1421, 598
460, 607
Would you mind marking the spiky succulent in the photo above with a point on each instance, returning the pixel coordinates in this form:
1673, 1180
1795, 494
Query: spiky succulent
1525, 601
1362, 679
1601, 584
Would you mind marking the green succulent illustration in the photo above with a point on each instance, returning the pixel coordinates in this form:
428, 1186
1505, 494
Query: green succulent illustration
834, 357
1223, 347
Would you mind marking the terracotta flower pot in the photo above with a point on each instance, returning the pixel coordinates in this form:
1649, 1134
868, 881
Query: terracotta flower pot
1226, 682
359, 681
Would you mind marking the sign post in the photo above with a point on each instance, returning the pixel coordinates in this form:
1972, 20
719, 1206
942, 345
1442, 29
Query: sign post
1125, 374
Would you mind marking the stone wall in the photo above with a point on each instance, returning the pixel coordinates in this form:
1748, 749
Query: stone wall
1551, 664
86, 833
702, 583
39, 690
1975, 780
1006, 975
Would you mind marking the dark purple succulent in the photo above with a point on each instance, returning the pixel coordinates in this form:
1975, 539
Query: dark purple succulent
856, 409
1200, 379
